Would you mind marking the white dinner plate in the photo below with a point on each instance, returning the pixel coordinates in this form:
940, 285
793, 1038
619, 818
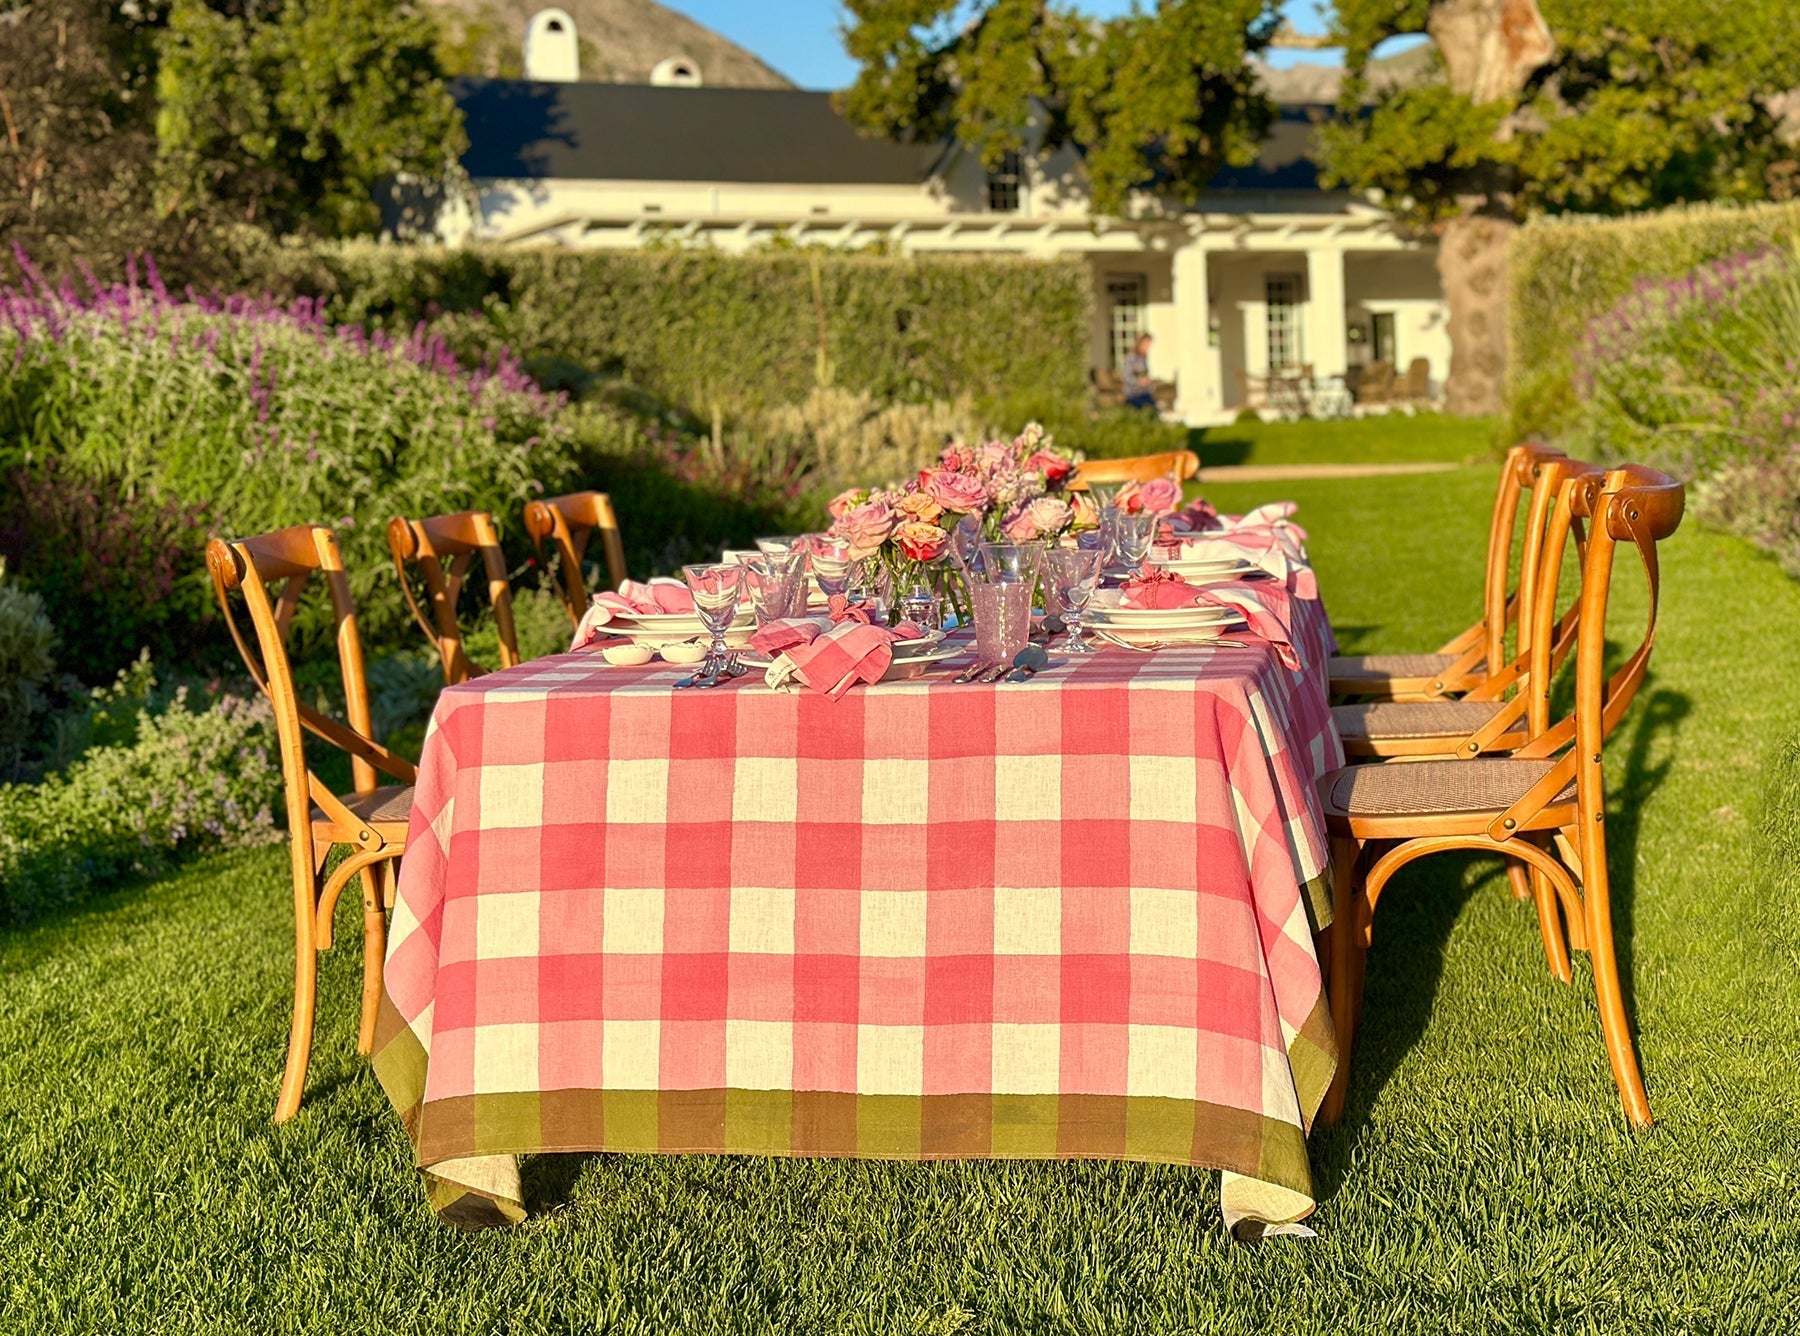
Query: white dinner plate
1145, 636
1167, 618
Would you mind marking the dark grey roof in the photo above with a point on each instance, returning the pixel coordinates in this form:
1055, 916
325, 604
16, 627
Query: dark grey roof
637, 132
1285, 162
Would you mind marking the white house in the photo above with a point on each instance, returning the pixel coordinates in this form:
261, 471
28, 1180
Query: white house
1268, 273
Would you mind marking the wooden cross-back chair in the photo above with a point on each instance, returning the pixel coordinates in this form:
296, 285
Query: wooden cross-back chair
1177, 464
567, 523
458, 539
1544, 806
370, 821
1463, 663
1492, 715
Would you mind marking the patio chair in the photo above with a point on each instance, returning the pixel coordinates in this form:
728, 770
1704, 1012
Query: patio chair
458, 539
1415, 386
369, 822
1492, 716
1549, 795
1460, 664
1376, 384
1109, 390
1177, 464
568, 522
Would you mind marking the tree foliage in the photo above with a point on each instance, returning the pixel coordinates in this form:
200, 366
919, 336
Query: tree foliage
1645, 103
1160, 98
77, 148
290, 113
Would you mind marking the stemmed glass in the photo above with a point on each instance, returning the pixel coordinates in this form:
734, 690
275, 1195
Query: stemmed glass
772, 582
1074, 571
873, 584
1134, 533
832, 566
715, 587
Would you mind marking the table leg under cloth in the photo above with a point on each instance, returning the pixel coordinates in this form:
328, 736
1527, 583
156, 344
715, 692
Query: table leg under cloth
1070, 918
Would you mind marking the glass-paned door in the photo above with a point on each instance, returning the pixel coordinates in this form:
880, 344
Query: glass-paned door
1125, 299
1286, 341
1384, 338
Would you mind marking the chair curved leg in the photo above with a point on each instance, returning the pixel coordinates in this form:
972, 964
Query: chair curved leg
374, 952
306, 986
1614, 1025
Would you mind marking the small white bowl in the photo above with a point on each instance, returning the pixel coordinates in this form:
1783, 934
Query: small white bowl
628, 656
687, 651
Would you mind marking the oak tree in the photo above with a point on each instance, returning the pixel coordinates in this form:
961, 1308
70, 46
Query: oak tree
1593, 106
1162, 98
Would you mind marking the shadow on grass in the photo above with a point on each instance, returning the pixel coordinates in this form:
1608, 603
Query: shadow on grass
1420, 909
1659, 715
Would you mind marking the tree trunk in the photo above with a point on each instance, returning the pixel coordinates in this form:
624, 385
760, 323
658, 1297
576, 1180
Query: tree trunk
1472, 265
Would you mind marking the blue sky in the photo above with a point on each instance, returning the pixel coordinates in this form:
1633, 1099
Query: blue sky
799, 37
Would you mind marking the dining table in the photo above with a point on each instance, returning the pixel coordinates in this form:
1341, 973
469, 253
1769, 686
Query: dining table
1066, 917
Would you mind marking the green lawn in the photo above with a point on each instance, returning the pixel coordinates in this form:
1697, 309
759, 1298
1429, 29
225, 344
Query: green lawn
1394, 438
1482, 1181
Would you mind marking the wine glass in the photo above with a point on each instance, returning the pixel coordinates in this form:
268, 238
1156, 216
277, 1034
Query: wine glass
780, 544
832, 565
715, 587
771, 582
1074, 571
1135, 532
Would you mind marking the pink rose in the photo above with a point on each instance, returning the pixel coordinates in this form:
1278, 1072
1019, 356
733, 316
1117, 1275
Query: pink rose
1043, 518
920, 541
866, 527
844, 502
959, 493
1162, 495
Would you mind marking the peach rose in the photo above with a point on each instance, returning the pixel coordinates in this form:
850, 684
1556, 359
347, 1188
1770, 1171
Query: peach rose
920, 507
920, 541
844, 502
959, 493
1086, 513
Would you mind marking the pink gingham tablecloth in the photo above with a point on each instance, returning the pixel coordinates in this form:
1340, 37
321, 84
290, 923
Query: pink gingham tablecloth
1071, 917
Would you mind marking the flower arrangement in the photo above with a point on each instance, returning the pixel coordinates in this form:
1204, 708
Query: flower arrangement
1008, 491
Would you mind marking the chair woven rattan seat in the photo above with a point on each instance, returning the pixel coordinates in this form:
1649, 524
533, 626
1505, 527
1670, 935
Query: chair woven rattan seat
391, 803
1433, 788
1396, 720
1381, 667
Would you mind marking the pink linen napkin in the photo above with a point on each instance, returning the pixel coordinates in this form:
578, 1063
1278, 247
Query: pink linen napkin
661, 595
1267, 608
1277, 549
833, 660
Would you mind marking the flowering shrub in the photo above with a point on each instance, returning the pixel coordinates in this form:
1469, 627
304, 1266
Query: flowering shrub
1700, 375
263, 415
119, 575
190, 779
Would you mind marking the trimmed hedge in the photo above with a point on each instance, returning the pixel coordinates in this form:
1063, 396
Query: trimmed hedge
732, 333
1567, 271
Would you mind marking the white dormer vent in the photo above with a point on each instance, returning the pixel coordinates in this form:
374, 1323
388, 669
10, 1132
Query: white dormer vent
552, 54
677, 72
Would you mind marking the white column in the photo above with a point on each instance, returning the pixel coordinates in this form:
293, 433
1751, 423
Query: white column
1325, 346
1197, 368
